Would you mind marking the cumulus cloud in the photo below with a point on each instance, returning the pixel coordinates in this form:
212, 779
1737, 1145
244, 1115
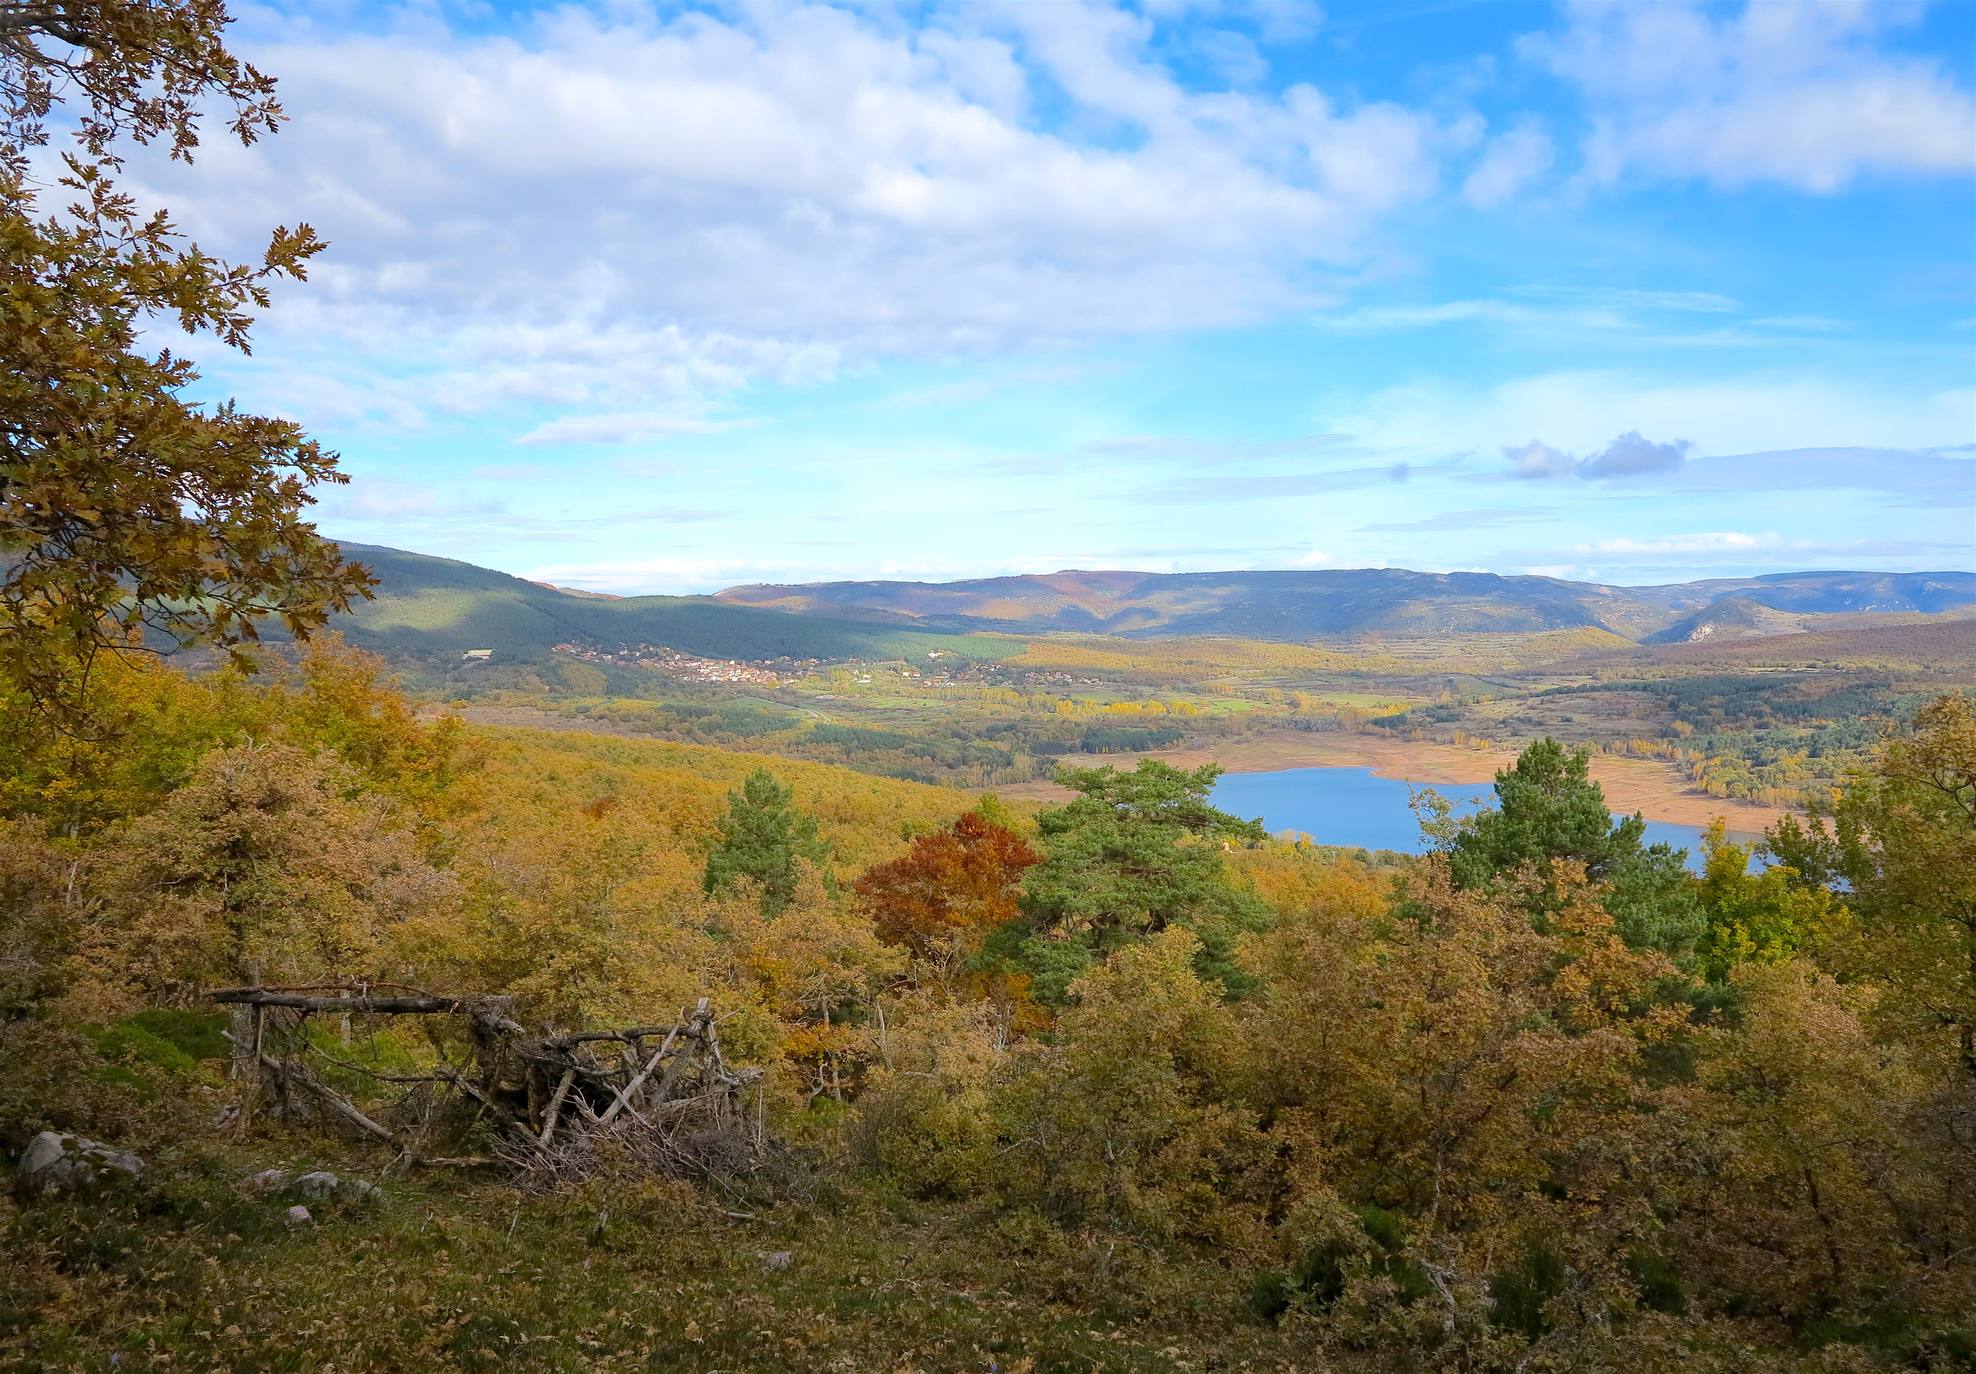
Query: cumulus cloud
1630, 455
603, 206
1510, 164
1536, 460
1812, 96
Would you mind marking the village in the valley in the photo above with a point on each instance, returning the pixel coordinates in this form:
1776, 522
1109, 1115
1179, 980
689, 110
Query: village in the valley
782, 672
657, 658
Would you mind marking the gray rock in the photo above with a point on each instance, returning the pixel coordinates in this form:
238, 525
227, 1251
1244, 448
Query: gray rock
266, 1181
322, 1185
315, 1187
55, 1162
775, 1261
298, 1215
43, 1153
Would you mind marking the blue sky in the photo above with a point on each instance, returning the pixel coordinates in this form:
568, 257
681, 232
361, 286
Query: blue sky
670, 299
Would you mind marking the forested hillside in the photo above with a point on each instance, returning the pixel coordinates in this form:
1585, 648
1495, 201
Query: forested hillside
341, 1032
1121, 1082
426, 606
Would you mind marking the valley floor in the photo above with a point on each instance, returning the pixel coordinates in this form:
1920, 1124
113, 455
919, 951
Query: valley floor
1655, 789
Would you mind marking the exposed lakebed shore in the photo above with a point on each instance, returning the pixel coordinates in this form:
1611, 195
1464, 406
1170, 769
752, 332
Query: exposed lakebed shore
1656, 790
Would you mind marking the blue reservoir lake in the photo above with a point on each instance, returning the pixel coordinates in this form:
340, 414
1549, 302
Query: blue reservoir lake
1358, 810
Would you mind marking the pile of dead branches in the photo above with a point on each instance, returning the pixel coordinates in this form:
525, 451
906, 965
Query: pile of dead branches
549, 1108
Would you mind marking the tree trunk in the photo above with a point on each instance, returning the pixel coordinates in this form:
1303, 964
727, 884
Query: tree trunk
243, 1023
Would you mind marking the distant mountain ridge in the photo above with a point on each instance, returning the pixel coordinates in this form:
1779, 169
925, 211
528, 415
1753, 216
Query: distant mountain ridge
426, 606
1324, 603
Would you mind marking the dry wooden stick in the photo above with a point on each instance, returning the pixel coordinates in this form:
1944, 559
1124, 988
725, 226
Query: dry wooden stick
269, 997
343, 1107
487, 1012
556, 1105
623, 1099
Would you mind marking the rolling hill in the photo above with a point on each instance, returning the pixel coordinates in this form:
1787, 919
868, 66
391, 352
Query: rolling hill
428, 606
1307, 605
425, 606
1733, 617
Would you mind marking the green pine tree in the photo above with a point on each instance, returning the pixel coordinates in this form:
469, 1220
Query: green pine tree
764, 837
1547, 808
1136, 853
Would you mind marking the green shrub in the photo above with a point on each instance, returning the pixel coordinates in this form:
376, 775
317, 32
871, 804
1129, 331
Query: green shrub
128, 1044
198, 1033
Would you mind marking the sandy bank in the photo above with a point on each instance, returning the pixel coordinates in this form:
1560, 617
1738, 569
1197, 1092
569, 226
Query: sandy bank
1654, 789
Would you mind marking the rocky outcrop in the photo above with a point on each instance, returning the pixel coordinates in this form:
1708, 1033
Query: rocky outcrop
55, 1162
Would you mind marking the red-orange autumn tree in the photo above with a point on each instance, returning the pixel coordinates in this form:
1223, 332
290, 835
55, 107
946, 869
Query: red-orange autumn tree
949, 891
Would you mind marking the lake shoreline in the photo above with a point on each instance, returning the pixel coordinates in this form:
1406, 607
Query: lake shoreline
1655, 789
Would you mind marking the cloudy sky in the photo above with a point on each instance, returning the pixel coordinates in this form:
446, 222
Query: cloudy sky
669, 299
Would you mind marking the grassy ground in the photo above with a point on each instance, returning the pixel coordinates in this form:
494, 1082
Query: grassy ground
443, 1275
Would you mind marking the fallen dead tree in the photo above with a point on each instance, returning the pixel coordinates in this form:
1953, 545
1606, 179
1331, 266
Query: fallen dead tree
549, 1108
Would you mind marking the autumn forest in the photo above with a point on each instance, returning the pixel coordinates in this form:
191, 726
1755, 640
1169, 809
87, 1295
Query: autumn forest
368, 1007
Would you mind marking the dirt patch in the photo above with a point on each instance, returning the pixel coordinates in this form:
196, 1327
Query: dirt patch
1656, 790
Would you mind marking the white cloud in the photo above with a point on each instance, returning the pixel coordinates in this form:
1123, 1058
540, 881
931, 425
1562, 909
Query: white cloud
1631, 298
608, 207
1536, 461
1711, 541
1381, 319
1545, 310
1629, 455
1811, 95
1511, 163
